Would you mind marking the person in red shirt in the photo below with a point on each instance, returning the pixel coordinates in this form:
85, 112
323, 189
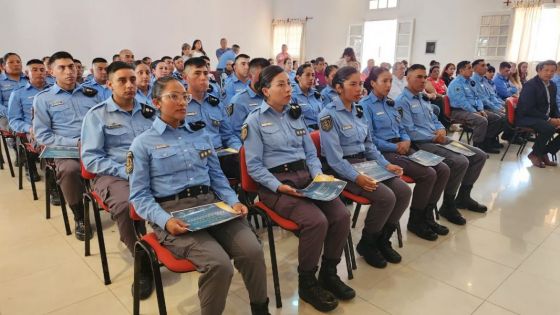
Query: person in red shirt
283, 55
320, 78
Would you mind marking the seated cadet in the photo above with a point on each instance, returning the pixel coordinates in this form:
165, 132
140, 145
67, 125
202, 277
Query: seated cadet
21, 104
50, 79
247, 100
159, 70
144, 88
178, 65
392, 140
537, 109
345, 140
328, 93
59, 111
206, 107
281, 157
107, 133
99, 81
79, 71
227, 57
504, 88
288, 65
168, 175
425, 131
11, 79
305, 95
214, 87
126, 55
239, 79
466, 105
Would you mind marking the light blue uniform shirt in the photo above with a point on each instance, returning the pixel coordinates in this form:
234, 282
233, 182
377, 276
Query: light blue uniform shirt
490, 100
310, 104
233, 86
107, 133
59, 115
349, 135
462, 95
556, 80
20, 107
143, 98
504, 89
418, 118
166, 162
7, 86
241, 105
274, 139
217, 122
102, 90
384, 122
328, 94
228, 55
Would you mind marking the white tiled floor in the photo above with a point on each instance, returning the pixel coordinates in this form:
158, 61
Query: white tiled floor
502, 262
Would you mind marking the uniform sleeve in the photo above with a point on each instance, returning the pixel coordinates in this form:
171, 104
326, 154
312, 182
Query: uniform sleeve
218, 181
230, 139
457, 97
254, 157
94, 156
407, 122
42, 127
501, 88
229, 91
140, 187
238, 116
16, 115
372, 153
330, 145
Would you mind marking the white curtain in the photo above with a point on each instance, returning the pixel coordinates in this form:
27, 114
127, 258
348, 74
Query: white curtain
292, 33
536, 33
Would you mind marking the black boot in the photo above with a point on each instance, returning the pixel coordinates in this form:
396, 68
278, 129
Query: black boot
417, 225
260, 308
146, 280
367, 247
330, 281
431, 222
384, 244
464, 200
311, 292
449, 211
80, 228
484, 146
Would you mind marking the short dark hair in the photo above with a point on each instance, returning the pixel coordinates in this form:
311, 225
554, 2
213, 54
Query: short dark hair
329, 69
542, 64
45, 58
160, 84
235, 46
77, 61
34, 62
490, 68
98, 60
176, 58
196, 62
205, 57
154, 64
505, 64
319, 59
415, 67
116, 66
462, 65
241, 56
165, 58
301, 69
115, 56
258, 63
145, 59
266, 76
342, 75
60, 55
433, 62
8, 55
477, 61
432, 68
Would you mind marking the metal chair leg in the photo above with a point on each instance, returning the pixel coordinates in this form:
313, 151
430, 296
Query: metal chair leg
356, 215
101, 242
348, 262
8, 158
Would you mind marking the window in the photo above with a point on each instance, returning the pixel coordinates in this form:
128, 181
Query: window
493, 36
382, 4
289, 32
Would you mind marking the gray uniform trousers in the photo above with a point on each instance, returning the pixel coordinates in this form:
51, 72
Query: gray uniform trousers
430, 181
463, 169
322, 223
482, 127
211, 251
115, 191
69, 177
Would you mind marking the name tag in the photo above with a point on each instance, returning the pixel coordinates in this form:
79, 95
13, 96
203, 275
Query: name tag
57, 103
266, 124
204, 153
380, 113
302, 104
346, 127
114, 126
30, 97
162, 146
253, 104
191, 113
301, 132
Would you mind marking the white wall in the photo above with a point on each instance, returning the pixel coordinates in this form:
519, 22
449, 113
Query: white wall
87, 29
453, 23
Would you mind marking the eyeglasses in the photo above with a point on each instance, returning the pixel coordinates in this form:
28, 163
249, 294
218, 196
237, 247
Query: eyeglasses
176, 97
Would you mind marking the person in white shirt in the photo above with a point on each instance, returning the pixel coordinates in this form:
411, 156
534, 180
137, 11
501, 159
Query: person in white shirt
399, 81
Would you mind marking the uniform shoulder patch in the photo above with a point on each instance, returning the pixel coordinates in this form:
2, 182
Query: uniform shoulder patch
244, 131
129, 162
229, 109
88, 91
326, 123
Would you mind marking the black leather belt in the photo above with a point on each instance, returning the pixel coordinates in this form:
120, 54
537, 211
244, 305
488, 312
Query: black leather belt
395, 140
313, 126
189, 192
360, 155
289, 167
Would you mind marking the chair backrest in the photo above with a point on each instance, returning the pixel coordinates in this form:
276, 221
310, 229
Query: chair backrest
247, 183
446, 107
511, 104
316, 137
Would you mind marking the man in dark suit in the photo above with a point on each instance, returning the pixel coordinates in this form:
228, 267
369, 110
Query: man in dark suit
537, 109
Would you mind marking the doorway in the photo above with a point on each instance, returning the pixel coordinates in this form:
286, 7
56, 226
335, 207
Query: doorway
379, 41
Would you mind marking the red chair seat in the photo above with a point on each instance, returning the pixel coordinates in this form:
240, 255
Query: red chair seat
407, 179
355, 198
99, 200
166, 257
6, 133
282, 222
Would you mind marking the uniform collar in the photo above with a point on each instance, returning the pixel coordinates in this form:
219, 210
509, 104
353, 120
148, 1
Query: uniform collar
477, 77
4, 77
298, 90
28, 86
338, 105
113, 107
204, 99
408, 93
373, 98
250, 91
265, 107
56, 89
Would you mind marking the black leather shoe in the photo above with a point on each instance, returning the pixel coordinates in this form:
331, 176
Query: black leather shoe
311, 292
449, 211
146, 283
432, 223
464, 200
330, 281
384, 244
367, 248
80, 230
417, 225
